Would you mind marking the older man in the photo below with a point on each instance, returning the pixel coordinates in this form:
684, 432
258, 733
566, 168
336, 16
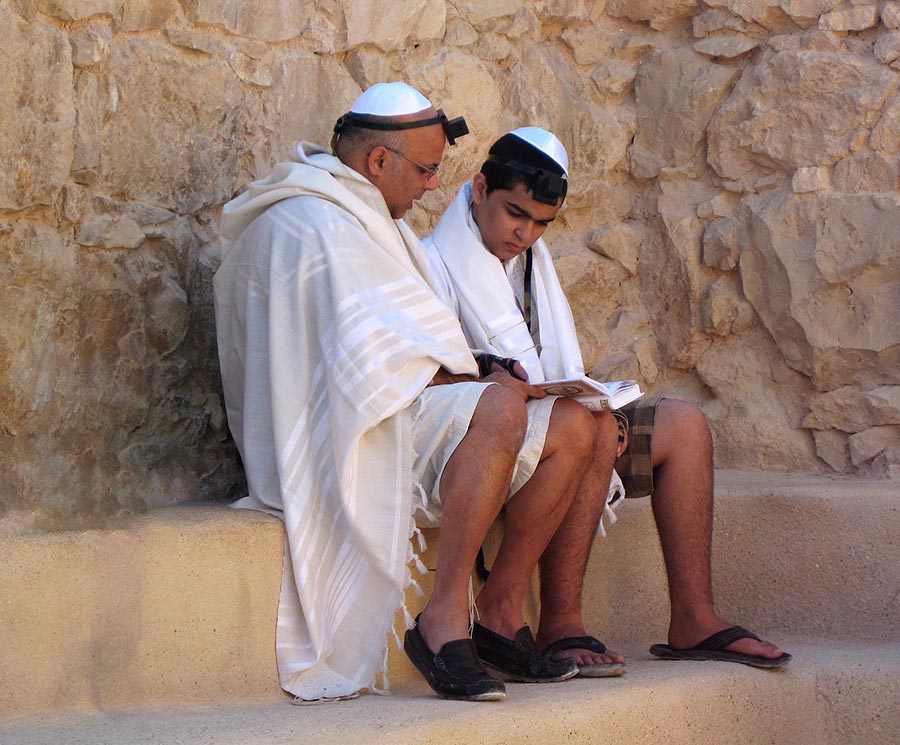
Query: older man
357, 406
500, 279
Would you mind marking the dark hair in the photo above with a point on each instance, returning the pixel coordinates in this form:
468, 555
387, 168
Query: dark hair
512, 161
350, 137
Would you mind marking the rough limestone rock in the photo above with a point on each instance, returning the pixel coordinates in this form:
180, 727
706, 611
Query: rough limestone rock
806, 13
189, 110
821, 271
767, 13
730, 234
887, 48
288, 116
615, 77
852, 410
857, 18
832, 447
676, 95
890, 15
619, 242
145, 15
749, 426
807, 179
658, 14
37, 133
276, 20
720, 244
867, 445
479, 11
715, 19
395, 24
726, 47
795, 109
885, 136
74, 10
723, 311
90, 43
866, 172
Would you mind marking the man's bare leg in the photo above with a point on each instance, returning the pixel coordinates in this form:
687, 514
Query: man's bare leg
474, 486
534, 515
565, 560
683, 508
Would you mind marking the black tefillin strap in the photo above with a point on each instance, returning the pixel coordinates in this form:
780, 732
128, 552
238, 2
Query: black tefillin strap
526, 294
486, 364
453, 128
546, 187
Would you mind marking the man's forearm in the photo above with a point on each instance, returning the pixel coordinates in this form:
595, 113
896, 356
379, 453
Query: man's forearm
444, 377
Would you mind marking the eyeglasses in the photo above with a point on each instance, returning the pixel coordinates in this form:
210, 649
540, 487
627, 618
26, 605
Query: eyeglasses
424, 170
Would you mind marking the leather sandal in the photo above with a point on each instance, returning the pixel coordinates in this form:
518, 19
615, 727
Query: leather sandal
518, 658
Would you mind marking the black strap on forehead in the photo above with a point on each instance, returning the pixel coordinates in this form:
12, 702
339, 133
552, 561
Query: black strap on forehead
453, 128
546, 187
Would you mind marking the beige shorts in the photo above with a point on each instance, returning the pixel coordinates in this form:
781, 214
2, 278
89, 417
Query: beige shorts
440, 420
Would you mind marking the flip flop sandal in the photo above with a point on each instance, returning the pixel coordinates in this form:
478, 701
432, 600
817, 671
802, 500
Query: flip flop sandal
595, 670
713, 649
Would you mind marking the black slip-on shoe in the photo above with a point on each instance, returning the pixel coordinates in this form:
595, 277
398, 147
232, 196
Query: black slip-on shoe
519, 658
455, 672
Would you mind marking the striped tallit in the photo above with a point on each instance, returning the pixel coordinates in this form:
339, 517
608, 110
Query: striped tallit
327, 332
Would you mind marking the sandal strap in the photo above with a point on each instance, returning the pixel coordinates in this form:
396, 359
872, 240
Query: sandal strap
591, 643
722, 639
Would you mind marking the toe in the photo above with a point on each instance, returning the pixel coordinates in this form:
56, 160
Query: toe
755, 648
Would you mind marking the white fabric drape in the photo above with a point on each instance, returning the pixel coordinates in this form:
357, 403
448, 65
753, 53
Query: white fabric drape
327, 332
487, 305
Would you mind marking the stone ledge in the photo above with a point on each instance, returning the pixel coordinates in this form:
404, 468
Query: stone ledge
178, 605
829, 695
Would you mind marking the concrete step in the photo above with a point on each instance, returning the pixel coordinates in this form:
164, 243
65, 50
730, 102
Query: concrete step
830, 695
178, 605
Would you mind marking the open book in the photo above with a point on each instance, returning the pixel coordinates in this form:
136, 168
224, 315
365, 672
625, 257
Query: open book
594, 395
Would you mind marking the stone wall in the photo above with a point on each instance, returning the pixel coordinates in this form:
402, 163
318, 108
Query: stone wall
732, 234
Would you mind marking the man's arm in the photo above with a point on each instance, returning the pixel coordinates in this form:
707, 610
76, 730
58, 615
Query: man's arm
499, 376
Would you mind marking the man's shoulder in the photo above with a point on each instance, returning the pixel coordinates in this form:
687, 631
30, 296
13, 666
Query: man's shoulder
311, 214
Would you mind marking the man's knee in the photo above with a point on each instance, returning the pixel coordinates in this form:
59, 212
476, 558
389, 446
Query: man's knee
572, 428
680, 426
682, 416
501, 414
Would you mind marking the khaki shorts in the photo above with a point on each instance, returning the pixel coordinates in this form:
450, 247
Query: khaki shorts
440, 419
635, 465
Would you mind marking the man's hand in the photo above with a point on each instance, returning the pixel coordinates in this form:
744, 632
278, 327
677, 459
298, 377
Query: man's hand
524, 389
517, 371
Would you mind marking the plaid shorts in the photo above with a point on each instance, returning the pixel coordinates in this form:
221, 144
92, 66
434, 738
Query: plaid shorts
635, 465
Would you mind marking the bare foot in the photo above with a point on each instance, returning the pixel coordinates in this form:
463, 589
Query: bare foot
581, 656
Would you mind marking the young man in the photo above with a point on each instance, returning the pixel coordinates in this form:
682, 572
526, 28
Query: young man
356, 404
501, 281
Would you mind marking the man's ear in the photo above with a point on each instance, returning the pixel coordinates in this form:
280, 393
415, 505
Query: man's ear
479, 188
375, 160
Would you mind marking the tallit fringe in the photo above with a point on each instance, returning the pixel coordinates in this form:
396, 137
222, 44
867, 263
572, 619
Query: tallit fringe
385, 689
614, 498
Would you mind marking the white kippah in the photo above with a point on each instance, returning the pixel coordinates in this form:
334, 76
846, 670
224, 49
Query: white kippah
390, 99
547, 142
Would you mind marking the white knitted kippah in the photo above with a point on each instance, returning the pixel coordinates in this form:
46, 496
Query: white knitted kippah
547, 142
390, 99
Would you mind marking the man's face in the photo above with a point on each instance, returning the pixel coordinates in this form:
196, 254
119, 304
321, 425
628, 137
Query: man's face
510, 220
409, 169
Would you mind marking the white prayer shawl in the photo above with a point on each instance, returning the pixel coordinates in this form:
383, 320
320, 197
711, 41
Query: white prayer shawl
327, 332
476, 284
491, 318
